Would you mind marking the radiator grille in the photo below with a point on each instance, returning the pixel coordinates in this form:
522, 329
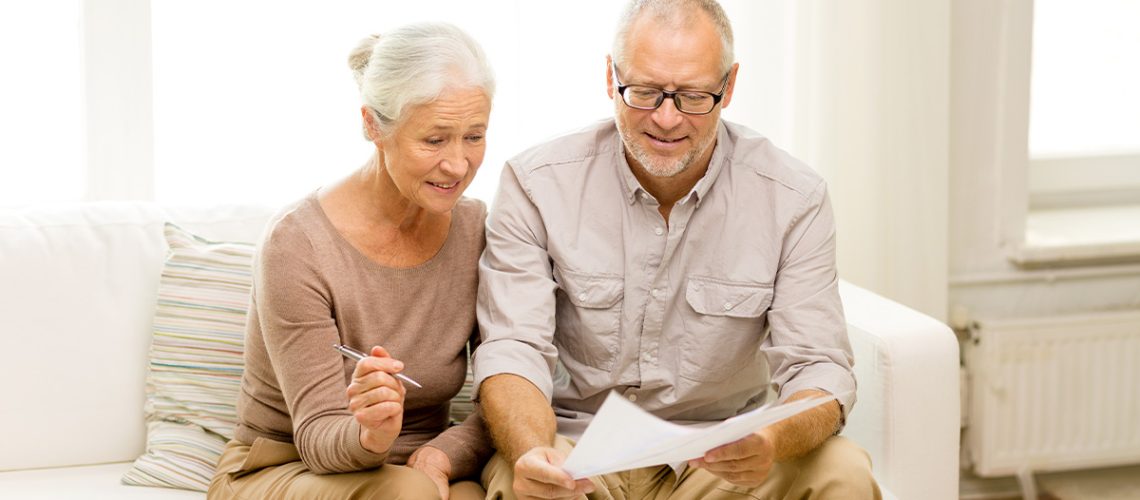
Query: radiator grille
1054, 393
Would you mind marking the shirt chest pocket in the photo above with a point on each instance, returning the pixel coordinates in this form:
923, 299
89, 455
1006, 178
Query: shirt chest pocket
589, 318
724, 328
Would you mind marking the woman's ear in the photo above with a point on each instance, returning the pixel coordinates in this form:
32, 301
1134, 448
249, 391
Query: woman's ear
371, 127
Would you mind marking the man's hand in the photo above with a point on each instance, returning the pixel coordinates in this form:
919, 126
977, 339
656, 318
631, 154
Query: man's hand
434, 463
745, 462
539, 474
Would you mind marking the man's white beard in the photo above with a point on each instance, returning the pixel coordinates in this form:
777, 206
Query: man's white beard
660, 167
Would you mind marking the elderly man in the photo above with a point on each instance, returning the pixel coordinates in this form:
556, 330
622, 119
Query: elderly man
678, 259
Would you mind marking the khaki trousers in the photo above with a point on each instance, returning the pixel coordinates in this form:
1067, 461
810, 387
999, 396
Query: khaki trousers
273, 470
837, 469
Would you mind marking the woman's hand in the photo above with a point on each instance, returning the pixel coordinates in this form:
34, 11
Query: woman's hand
434, 463
376, 400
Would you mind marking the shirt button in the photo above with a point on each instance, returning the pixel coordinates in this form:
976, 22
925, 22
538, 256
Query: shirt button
582, 296
658, 231
645, 196
727, 306
633, 397
655, 292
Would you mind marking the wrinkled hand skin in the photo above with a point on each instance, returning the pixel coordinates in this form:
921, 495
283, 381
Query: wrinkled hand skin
539, 475
436, 465
376, 400
745, 462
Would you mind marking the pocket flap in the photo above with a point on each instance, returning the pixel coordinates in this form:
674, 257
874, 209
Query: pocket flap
719, 298
592, 291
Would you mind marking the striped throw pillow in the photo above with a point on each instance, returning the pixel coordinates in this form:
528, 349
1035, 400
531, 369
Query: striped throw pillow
195, 360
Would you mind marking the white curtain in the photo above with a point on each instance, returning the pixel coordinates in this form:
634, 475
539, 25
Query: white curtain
872, 86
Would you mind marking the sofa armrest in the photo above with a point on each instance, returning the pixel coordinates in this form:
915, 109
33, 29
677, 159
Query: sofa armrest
907, 412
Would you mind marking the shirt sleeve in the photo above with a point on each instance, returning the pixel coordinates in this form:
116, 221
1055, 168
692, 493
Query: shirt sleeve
807, 347
295, 314
516, 303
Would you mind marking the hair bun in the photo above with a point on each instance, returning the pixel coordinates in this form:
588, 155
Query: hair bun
358, 58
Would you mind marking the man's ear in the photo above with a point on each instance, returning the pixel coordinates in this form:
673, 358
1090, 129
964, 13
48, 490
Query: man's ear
731, 85
610, 77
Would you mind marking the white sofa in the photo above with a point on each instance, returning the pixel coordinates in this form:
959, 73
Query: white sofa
77, 295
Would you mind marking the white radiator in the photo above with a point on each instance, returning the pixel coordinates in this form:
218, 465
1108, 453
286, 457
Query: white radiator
1054, 393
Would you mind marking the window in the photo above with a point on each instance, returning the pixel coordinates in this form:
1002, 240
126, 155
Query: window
1083, 175
41, 96
254, 100
1084, 128
216, 101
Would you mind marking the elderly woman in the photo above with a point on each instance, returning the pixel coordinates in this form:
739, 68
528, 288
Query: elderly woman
383, 260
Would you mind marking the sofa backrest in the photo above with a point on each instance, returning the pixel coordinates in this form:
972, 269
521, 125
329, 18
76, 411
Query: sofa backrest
77, 296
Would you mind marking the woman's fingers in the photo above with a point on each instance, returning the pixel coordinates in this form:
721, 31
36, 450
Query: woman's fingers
375, 396
376, 416
373, 380
380, 360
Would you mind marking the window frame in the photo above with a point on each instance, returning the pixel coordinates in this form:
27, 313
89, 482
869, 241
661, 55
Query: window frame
1033, 190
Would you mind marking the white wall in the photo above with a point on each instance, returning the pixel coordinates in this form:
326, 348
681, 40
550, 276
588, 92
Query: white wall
872, 113
252, 102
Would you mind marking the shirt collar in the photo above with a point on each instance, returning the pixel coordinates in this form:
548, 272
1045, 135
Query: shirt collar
629, 182
722, 151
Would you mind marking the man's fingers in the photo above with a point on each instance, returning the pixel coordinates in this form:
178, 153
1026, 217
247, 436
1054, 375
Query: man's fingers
538, 475
742, 448
540, 471
532, 489
730, 466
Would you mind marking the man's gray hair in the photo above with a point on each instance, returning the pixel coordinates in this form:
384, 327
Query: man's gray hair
676, 13
412, 65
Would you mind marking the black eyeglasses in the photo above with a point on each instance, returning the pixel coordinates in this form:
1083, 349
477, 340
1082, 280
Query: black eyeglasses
691, 102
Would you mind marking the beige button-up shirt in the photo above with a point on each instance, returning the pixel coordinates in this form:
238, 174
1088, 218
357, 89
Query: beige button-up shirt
585, 289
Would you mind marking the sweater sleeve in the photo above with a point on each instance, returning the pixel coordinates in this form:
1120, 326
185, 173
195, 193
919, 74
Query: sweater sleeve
294, 308
467, 445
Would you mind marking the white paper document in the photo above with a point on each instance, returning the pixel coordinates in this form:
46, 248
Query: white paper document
622, 436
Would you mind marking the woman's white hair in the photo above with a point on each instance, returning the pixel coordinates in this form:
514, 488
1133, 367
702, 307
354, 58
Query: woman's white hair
412, 65
674, 12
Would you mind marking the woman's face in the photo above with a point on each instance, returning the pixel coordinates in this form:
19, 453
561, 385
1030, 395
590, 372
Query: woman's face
433, 154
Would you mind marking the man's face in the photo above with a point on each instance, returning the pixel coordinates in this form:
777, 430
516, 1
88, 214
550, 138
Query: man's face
665, 142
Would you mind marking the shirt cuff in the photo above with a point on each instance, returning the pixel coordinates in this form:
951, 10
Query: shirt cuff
826, 377
511, 356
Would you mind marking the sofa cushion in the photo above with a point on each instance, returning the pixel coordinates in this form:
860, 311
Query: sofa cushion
77, 295
86, 482
195, 364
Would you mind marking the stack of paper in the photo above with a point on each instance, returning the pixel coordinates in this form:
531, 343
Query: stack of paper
622, 436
